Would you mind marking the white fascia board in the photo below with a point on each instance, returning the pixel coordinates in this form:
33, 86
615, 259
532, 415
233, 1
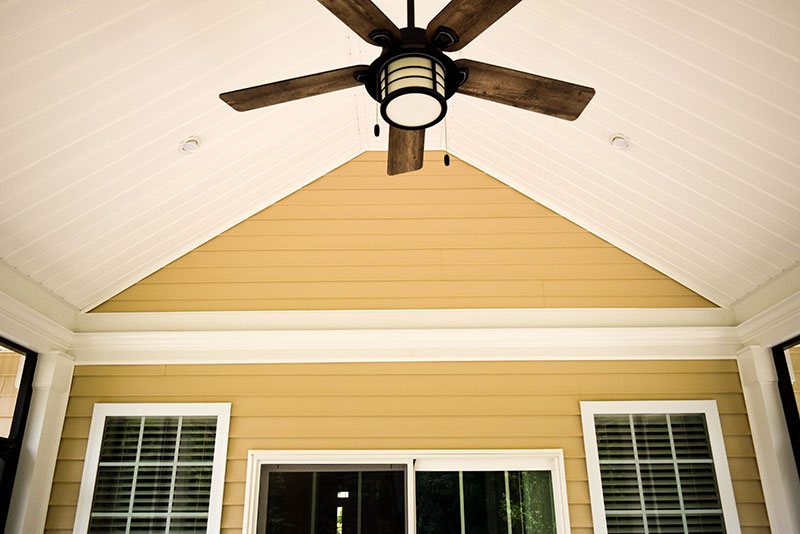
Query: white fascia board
409, 344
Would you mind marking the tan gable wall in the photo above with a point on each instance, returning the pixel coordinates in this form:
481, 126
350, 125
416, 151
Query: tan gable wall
442, 237
409, 405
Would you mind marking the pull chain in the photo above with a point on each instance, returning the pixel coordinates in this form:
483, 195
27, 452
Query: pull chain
377, 129
446, 152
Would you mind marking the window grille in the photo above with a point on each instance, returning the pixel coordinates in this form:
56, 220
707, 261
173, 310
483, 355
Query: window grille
154, 475
657, 473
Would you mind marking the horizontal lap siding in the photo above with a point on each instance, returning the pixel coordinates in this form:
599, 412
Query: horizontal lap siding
794, 354
9, 364
465, 405
439, 238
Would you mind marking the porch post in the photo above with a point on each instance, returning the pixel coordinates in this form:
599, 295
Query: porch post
770, 438
37, 461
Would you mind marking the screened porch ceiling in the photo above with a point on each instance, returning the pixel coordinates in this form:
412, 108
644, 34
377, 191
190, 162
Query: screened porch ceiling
96, 96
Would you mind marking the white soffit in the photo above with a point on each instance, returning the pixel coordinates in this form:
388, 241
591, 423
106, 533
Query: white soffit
95, 97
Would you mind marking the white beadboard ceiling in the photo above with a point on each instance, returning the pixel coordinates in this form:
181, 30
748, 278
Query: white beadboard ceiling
95, 97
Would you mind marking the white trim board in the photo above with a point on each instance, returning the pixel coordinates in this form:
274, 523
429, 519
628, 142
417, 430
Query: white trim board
413, 344
707, 407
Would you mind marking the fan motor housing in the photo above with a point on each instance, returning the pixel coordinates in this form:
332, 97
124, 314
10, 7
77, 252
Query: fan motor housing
413, 80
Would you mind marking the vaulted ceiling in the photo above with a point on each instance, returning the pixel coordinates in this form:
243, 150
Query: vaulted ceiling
96, 96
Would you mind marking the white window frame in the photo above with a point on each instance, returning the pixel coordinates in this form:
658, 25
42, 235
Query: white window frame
416, 460
101, 411
707, 407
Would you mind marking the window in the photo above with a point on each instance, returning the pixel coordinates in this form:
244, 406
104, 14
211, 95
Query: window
658, 467
463, 492
154, 468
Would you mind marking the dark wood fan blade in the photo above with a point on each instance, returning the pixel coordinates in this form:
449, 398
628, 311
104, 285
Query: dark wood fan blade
406, 149
523, 90
468, 18
284, 91
362, 16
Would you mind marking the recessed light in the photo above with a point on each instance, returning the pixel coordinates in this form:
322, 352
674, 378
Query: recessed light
620, 142
190, 145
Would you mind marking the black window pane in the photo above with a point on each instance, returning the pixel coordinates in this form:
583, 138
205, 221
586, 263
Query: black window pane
659, 487
192, 491
691, 436
159, 439
665, 524
289, 503
188, 525
494, 502
699, 485
120, 439
620, 487
198, 435
148, 525
485, 502
108, 525
438, 504
614, 440
336, 503
112, 489
534, 509
652, 436
152, 489
383, 502
625, 524
329, 502
706, 523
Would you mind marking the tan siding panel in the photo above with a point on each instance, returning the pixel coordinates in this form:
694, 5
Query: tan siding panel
437, 405
9, 364
440, 238
795, 358
349, 273
390, 227
469, 239
520, 208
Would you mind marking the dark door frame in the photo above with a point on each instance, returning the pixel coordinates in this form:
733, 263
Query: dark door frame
790, 409
11, 446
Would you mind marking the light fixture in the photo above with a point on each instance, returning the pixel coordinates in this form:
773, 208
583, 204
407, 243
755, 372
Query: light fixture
620, 142
412, 81
190, 145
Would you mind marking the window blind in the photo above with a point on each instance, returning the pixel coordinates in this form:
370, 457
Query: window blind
657, 474
154, 475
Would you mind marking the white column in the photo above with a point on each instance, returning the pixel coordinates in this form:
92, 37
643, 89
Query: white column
37, 461
770, 438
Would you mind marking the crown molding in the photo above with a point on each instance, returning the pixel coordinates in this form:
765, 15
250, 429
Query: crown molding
29, 328
372, 319
774, 325
769, 295
23, 289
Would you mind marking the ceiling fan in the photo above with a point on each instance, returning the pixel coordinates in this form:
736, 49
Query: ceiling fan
412, 78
